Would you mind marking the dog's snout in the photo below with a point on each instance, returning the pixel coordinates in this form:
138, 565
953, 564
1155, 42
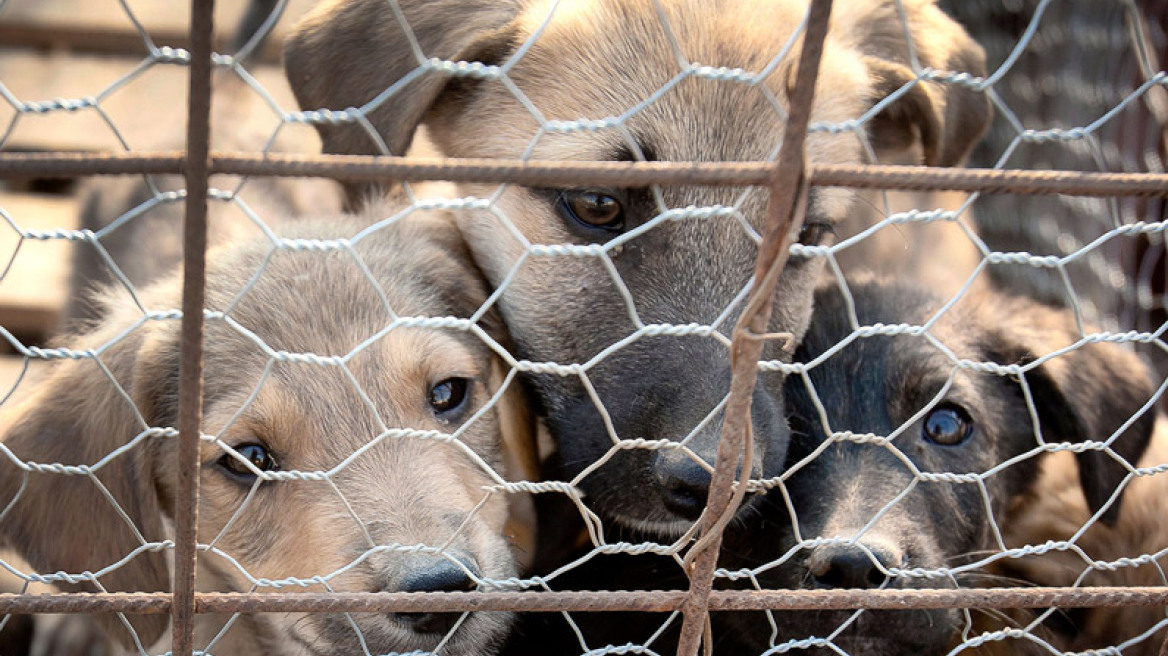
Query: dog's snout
682, 483
441, 576
860, 566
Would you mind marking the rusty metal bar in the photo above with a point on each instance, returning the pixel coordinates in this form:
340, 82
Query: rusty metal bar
71, 164
644, 601
356, 168
788, 197
198, 165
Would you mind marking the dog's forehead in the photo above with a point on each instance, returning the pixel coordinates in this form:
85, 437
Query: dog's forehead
639, 60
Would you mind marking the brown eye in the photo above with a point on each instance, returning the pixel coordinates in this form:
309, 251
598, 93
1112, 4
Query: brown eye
592, 209
448, 395
948, 425
256, 454
815, 233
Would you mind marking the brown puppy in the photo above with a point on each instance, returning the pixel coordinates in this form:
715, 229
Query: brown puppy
1055, 510
906, 453
658, 80
342, 441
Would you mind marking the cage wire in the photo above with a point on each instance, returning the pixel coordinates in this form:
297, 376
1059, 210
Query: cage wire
999, 549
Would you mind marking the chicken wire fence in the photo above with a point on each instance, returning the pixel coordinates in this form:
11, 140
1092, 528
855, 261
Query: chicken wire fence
359, 437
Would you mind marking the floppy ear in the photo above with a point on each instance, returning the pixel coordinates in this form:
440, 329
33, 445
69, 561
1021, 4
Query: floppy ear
1086, 395
347, 52
78, 416
944, 119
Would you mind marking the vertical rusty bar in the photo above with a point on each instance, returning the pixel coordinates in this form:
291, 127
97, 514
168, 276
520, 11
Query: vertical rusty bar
788, 190
198, 166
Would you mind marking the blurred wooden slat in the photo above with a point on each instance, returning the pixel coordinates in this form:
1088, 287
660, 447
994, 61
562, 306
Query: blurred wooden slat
149, 111
35, 286
102, 26
11, 367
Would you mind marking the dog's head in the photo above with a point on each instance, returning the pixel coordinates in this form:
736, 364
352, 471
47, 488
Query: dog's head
365, 462
651, 70
939, 448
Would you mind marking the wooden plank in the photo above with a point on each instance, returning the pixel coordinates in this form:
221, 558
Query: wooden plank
103, 25
11, 367
149, 111
35, 285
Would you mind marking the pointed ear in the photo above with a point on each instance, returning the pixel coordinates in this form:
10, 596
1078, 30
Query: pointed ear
345, 53
82, 416
1086, 395
943, 119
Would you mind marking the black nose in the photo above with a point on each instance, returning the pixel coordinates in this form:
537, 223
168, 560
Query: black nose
851, 566
682, 483
442, 576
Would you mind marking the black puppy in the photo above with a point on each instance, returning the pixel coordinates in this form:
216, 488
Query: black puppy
908, 447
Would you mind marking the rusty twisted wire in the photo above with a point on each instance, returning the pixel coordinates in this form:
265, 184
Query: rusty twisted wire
361, 168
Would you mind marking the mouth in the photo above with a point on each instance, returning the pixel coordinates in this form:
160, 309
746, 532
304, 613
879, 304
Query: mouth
662, 525
664, 529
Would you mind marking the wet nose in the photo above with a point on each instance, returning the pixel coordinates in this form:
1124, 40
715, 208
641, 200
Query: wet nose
852, 566
442, 576
682, 483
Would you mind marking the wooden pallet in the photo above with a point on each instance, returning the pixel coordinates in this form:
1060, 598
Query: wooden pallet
36, 273
149, 111
104, 26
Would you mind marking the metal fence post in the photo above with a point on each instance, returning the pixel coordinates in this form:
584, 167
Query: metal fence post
198, 167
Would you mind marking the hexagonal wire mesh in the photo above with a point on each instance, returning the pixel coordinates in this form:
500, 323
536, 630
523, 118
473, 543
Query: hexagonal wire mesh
940, 442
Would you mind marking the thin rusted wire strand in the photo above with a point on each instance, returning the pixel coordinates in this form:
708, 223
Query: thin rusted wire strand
190, 404
357, 168
625, 600
788, 196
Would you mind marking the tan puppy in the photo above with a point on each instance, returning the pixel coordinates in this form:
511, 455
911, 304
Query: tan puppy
680, 80
1056, 510
365, 419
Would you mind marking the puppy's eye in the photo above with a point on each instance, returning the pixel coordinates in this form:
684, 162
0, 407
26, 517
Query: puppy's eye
592, 209
816, 233
256, 454
948, 425
449, 395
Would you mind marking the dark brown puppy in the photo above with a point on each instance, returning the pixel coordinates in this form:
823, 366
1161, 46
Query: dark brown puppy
307, 370
687, 80
906, 453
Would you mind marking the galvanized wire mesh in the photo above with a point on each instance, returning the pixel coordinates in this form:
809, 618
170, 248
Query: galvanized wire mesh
889, 370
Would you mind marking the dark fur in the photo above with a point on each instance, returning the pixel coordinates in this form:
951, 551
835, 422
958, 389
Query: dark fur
877, 385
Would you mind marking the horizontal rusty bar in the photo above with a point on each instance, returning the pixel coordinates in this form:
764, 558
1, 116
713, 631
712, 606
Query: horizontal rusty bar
150, 603
644, 601
70, 164
354, 168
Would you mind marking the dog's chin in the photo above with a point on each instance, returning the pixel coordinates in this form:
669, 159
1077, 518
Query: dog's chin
937, 643
886, 633
478, 634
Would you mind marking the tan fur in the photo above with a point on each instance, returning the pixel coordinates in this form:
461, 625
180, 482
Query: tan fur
1056, 510
401, 490
600, 60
